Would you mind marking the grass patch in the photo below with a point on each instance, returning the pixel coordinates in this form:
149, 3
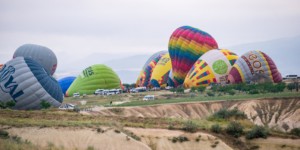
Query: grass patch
199, 98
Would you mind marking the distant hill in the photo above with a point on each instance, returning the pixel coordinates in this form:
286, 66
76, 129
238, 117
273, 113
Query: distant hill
285, 52
127, 67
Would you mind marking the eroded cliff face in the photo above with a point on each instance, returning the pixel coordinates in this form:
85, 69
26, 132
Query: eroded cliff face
282, 113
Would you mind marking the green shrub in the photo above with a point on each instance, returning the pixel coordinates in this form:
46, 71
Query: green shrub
45, 105
171, 126
237, 114
193, 89
253, 91
8, 104
180, 139
216, 128
209, 93
190, 126
174, 139
117, 131
201, 89
295, 131
4, 134
226, 114
235, 129
180, 90
257, 132
231, 92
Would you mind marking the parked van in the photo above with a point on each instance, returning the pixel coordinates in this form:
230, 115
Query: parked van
148, 97
76, 95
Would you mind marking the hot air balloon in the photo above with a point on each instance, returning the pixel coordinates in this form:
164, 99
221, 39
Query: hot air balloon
186, 45
43, 55
254, 66
170, 82
65, 83
24, 81
212, 67
160, 74
95, 77
145, 74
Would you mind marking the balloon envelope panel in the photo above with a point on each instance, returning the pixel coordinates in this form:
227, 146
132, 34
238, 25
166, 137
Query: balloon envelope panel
186, 45
65, 83
24, 81
145, 74
43, 55
94, 77
212, 67
254, 66
160, 74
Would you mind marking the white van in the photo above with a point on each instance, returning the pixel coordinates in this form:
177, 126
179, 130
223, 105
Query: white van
148, 97
76, 95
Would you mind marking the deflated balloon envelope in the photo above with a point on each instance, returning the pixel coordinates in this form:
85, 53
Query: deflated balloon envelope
65, 83
186, 45
160, 74
24, 81
43, 55
212, 67
145, 74
254, 66
95, 77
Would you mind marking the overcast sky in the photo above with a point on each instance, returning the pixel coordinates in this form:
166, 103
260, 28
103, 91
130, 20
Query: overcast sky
78, 28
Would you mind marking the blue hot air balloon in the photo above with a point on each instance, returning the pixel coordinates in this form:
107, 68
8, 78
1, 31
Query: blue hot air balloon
65, 83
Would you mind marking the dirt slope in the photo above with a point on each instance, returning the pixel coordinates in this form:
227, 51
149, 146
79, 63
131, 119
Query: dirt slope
275, 113
159, 139
67, 138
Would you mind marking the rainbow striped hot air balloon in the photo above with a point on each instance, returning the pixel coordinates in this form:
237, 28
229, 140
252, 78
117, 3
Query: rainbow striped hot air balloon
145, 74
254, 66
186, 45
212, 67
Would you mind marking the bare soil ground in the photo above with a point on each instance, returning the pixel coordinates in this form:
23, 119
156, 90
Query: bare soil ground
75, 138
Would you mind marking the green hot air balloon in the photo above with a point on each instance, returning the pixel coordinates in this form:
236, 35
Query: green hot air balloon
94, 77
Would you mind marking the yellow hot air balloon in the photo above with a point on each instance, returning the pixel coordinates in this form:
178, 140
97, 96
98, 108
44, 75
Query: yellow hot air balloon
160, 74
212, 67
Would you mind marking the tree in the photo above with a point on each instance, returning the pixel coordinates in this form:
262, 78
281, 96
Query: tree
291, 86
193, 89
180, 90
201, 89
281, 86
126, 85
132, 85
